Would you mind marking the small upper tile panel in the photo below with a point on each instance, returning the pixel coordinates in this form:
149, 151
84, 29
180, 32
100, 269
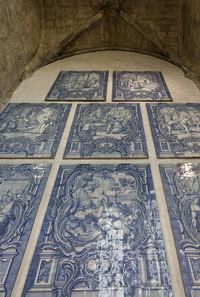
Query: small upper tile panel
107, 131
31, 130
175, 129
182, 187
21, 189
101, 236
79, 86
139, 86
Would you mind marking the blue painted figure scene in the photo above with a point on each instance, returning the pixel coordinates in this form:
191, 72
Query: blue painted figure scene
182, 187
175, 129
107, 130
101, 236
139, 86
79, 86
21, 188
31, 130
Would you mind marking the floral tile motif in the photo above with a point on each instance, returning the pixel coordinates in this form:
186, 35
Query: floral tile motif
175, 129
31, 130
79, 86
182, 187
139, 86
101, 236
107, 131
21, 188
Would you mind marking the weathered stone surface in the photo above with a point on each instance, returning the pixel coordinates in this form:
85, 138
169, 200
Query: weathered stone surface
33, 33
102, 35
19, 39
191, 34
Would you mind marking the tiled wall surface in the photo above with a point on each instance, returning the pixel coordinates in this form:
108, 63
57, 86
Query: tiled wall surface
101, 211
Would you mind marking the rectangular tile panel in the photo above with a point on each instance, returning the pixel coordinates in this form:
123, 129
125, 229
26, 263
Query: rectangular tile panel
175, 129
79, 86
140, 86
101, 236
21, 188
31, 130
182, 188
107, 131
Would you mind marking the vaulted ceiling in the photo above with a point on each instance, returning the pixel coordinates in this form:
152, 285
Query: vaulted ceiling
74, 26
36, 32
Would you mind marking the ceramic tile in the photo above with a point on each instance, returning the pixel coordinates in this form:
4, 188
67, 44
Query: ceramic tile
139, 86
101, 236
21, 188
182, 187
79, 86
175, 129
107, 130
31, 130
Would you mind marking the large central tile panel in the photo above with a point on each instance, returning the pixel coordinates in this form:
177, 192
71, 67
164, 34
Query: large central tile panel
79, 86
175, 129
101, 236
21, 188
32, 130
140, 86
107, 131
182, 189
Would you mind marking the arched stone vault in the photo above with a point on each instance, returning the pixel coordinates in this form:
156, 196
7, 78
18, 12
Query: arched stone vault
52, 29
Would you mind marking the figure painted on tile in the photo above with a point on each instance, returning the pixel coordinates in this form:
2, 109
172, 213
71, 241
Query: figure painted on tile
136, 85
33, 121
97, 230
133, 83
79, 85
3, 269
44, 272
21, 187
106, 130
6, 212
175, 121
196, 268
195, 208
182, 184
179, 121
131, 278
98, 200
175, 129
103, 122
31, 129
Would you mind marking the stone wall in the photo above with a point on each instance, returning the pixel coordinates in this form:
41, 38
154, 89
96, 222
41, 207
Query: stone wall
191, 34
160, 18
36, 32
145, 25
19, 40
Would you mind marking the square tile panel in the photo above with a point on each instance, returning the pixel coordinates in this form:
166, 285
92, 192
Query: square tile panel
107, 131
79, 86
175, 129
101, 236
21, 188
139, 86
182, 187
31, 130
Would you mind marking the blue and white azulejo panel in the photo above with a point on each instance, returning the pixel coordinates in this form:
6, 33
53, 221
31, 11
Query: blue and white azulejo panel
101, 236
107, 131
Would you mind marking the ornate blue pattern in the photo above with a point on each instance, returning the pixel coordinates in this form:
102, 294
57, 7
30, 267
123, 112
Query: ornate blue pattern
79, 86
175, 129
139, 86
21, 188
107, 130
182, 187
31, 130
101, 236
